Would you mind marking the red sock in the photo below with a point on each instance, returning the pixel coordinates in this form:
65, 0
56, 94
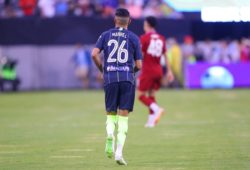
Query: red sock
153, 98
145, 100
150, 111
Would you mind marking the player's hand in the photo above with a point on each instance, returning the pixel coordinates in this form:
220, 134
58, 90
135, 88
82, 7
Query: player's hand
100, 76
170, 76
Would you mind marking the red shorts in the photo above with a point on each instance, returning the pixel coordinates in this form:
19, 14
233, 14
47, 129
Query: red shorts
147, 82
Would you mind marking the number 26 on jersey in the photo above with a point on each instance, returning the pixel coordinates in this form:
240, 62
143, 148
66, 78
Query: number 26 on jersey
119, 48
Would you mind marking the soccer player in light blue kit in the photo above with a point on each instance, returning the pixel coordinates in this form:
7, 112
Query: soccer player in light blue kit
122, 58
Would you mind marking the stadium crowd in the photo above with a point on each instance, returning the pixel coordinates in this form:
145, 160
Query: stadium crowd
188, 51
213, 52
104, 8
221, 51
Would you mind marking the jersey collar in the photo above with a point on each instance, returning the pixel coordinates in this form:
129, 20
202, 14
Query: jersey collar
120, 28
151, 32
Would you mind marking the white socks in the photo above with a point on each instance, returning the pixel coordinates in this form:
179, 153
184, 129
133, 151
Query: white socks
151, 118
154, 107
121, 135
118, 152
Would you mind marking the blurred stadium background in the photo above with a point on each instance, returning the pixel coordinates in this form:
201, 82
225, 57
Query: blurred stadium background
46, 44
51, 40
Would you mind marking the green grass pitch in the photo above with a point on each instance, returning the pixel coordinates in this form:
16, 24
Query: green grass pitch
202, 130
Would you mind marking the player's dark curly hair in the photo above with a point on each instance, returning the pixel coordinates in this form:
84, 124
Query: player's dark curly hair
152, 21
122, 12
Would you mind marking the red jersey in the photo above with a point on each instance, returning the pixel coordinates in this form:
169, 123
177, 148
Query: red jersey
153, 47
28, 6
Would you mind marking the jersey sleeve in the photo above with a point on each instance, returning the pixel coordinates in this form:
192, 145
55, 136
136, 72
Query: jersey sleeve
137, 52
100, 42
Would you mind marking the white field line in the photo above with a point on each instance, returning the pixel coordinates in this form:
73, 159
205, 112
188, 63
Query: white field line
65, 156
78, 150
11, 152
177, 168
12, 146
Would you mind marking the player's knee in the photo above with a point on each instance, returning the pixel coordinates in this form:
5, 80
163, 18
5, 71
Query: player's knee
140, 95
123, 112
151, 93
112, 113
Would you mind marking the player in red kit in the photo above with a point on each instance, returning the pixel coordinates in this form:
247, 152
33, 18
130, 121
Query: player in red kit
149, 81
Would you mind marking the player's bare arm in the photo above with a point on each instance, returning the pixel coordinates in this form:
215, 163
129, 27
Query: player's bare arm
138, 65
96, 57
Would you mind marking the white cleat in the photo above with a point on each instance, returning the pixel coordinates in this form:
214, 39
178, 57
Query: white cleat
158, 116
120, 161
149, 125
150, 122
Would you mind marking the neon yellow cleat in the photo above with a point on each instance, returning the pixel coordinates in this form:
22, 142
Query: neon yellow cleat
109, 149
